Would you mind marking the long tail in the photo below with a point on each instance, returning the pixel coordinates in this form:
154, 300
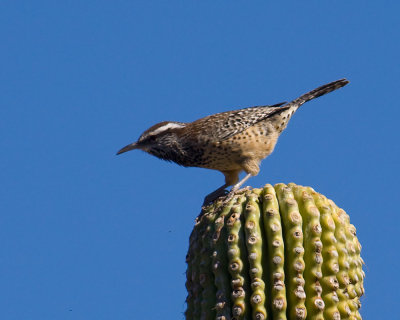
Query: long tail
320, 91
282, 116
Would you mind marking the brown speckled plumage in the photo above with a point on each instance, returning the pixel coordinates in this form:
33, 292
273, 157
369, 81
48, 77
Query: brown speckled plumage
230, 142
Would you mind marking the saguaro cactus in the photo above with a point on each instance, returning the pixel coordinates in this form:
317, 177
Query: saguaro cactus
282, 252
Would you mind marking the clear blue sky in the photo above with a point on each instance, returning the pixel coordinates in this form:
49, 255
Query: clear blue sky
88, 235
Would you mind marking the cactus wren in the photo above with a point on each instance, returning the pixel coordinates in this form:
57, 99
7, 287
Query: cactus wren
229, 142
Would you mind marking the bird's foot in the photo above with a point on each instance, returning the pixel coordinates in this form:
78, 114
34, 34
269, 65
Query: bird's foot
223, 195
209, 199
234, 192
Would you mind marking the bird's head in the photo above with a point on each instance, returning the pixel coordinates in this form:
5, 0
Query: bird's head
157, 139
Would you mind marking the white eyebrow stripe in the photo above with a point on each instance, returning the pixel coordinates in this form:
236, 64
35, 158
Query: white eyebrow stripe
167, 126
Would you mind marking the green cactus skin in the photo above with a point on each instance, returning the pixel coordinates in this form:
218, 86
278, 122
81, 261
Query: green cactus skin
238, 263
293, 237
330, 266
255, 254
281, 252
275, 243
219, 266
206, 277
313, 245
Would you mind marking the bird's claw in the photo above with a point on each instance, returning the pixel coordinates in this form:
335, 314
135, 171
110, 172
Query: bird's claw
225, 196
212, 197
232, 193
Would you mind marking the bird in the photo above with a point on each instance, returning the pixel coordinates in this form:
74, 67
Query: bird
230, 142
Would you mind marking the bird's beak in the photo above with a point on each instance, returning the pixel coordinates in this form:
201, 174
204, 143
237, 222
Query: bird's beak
129, 147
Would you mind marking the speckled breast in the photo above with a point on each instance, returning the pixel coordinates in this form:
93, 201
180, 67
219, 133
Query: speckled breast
257, 142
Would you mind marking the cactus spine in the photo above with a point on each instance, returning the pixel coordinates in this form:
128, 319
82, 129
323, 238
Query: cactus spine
282, 252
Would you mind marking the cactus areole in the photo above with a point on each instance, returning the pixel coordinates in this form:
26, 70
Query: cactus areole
280, 252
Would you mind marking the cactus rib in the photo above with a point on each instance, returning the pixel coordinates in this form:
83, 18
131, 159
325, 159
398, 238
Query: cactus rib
275, 243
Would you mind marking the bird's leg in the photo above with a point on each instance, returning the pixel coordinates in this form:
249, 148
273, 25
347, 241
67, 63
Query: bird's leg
231, 178
251, 167
236, 187
215, 194
241, 182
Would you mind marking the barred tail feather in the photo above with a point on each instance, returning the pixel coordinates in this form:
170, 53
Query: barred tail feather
282, 116
320, 91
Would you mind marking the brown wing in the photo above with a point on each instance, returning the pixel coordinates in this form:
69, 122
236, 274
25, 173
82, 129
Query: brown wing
224, 125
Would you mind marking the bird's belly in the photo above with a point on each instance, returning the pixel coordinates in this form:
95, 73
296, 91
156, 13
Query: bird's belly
230, 154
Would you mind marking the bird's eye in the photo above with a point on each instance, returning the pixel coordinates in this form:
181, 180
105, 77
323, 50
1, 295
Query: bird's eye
148, 139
